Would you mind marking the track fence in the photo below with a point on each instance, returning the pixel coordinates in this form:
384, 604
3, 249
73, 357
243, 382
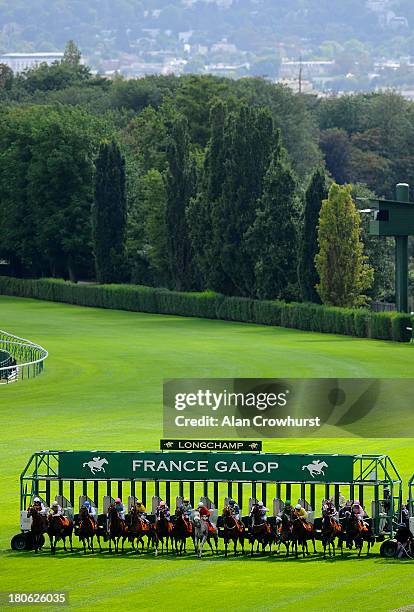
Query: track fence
20, 359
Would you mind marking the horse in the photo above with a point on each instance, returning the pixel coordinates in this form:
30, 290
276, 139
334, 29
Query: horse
59, 528
203, 530
261, 532
138, 529
301, 533
234, 530
356, 531
330, 530
183, 529
284, 533
87, 530
117, 528
38, 527
163, 529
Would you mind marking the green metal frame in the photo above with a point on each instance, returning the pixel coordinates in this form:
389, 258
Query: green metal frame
410, 499
369, 471
396, 218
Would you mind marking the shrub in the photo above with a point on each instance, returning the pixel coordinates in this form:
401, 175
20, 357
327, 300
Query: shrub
309, 317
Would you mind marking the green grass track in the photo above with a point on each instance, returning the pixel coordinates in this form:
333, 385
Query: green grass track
102, 388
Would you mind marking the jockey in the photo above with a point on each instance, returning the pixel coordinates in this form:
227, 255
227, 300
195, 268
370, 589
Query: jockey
329, 509
205, 513
120, 508
288, 508
91, 510
261, 511
234, 509
300, 513
141, 509
39, 506
358, 510
56, 510
163, 508
186, 508
345, 509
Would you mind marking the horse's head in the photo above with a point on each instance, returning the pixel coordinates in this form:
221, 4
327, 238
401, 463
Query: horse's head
197, 518
83, 512
227, 511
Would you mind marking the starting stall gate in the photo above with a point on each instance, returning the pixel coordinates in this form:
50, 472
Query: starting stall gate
71, 477
410, 500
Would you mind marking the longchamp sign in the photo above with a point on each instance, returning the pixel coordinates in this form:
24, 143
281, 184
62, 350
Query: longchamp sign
197, 466
212, 445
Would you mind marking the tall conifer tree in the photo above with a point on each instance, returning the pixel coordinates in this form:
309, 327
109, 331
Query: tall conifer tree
308, 276
109, 214
181, 187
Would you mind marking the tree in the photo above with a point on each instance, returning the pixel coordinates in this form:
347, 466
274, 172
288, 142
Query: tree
207, 243
181, 187
273, 236
109, 214
46, 186
72, 55
308, 276
341, 265
336, 148
248, 141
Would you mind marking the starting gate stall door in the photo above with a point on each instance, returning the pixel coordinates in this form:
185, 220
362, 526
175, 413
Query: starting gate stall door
85, 498
131, 502
107, 501
155, 502
278, 506
65, 505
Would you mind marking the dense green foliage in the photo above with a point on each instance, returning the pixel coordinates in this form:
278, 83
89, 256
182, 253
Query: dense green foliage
109, 214
314, 196
309, 317
343, 271
216, 174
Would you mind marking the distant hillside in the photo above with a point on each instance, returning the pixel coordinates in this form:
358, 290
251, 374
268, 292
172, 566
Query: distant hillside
110, 26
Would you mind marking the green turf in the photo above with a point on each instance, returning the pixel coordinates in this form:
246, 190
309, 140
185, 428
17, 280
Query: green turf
102, 387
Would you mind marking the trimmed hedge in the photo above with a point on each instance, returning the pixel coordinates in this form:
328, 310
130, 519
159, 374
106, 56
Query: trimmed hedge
361, 323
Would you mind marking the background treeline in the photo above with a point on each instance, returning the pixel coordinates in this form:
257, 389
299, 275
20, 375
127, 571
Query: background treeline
207, 183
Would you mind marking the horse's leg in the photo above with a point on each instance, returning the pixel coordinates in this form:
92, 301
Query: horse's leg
110, 540
84, 546
252, 543
225, 546
70, 541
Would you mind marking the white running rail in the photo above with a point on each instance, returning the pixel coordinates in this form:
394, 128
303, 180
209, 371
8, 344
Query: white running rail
19, 358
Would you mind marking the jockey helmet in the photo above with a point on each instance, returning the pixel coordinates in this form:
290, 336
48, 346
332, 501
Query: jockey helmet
87, 504
260, 504
356, 502
200, 504
162, 503
287, 503
231, 502
139, 502
37, 500
118, 500
55, 504
186, 500
298, 507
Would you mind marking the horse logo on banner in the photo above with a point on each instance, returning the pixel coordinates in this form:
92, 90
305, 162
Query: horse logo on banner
316, 467
96, 464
